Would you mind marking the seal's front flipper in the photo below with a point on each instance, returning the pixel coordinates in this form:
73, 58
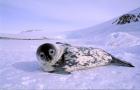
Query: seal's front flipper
63, 72
51, 71
60, 71
119, 62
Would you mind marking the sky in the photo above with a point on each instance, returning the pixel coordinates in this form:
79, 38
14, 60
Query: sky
59, 15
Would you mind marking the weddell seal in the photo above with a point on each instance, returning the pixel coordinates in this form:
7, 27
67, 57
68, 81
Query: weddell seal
62, 57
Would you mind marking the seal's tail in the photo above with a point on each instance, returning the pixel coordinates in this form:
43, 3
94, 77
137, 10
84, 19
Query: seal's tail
119, 62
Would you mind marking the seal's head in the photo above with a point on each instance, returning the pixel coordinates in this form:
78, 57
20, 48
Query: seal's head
48, 55
45, 55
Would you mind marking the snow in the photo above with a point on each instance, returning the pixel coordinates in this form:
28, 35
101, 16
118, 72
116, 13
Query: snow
19, 67
122, 39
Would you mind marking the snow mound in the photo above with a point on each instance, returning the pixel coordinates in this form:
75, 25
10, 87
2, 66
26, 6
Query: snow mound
122, 39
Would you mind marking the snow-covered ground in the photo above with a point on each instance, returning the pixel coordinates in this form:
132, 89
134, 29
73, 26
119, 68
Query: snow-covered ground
19, 67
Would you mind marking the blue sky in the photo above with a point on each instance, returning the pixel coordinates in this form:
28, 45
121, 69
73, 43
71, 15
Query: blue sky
59, 15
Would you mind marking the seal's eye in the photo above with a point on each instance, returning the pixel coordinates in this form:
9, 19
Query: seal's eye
51, 52
42, 55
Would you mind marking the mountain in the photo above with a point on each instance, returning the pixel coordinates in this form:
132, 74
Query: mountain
133, 16
127, 18
41, 33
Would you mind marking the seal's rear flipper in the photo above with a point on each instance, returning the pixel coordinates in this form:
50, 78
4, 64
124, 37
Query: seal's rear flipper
119, 62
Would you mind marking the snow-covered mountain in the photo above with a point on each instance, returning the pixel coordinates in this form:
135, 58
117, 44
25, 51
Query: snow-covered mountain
42, 33
127, 18
133, 16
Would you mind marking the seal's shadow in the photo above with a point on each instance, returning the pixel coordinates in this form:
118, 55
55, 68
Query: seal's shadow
30, 66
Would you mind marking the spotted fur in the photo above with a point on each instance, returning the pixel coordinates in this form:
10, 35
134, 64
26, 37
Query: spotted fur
76, 58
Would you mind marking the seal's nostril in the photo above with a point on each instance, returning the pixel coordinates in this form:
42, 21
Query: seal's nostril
51, 52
